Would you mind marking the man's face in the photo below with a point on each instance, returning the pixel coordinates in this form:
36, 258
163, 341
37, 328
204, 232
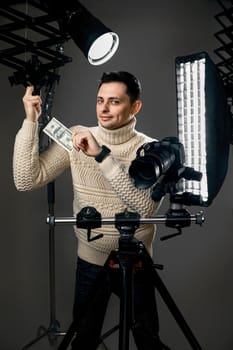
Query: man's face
113, 106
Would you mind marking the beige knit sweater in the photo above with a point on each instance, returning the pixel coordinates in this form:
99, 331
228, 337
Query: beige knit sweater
106, 186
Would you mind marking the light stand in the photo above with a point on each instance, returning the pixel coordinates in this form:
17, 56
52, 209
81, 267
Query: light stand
53, 330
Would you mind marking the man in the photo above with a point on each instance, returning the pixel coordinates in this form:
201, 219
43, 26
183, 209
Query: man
99, 165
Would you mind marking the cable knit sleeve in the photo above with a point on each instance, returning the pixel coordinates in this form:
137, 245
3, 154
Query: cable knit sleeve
31, 170
135, 199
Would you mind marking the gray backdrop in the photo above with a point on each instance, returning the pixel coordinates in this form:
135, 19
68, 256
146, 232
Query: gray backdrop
197, 265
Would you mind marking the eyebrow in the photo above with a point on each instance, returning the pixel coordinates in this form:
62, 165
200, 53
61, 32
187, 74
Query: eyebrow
109, 98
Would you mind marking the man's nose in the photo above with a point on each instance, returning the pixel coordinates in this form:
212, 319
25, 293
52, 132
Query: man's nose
105, 106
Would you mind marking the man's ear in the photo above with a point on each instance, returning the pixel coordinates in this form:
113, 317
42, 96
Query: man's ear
136, 106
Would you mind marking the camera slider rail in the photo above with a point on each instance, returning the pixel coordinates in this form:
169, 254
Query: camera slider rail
89, 218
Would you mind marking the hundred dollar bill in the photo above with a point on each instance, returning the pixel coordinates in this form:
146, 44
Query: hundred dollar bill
59, 133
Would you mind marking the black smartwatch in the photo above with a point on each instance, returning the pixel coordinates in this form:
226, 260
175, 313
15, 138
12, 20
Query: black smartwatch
105, 150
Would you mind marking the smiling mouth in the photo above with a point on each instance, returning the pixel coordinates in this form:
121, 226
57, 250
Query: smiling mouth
105, 117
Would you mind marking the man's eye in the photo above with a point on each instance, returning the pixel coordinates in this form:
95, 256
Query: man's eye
115, 102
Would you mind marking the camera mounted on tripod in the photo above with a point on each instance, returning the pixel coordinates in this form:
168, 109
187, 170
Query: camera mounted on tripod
161, 164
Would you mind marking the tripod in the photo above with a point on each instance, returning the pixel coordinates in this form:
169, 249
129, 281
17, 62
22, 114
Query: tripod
129, 254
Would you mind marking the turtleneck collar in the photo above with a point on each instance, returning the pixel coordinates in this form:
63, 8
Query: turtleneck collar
117, 136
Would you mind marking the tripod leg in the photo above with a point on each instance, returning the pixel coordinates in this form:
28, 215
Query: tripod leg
43, 333
126, 308
68, 337
172, 306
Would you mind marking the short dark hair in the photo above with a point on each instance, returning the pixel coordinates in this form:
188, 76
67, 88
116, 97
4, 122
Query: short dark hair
133, 86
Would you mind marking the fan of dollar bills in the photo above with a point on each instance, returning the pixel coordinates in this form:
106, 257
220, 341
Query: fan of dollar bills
59, 133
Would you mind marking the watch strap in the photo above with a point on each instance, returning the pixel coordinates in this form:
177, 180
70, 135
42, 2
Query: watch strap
105, 150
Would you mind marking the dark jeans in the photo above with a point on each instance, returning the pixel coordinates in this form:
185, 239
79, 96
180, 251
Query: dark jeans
92, 292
